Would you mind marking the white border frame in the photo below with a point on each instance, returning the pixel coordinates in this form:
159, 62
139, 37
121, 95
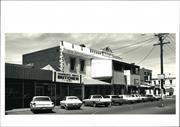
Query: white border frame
88, 16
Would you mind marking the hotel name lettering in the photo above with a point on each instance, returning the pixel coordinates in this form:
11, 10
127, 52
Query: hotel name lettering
68, 78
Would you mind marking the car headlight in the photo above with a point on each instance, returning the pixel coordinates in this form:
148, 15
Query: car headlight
33, 104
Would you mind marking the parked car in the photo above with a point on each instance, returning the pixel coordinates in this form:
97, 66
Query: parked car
137, 97
70, 102
41, 103
150, 97
115, 99
128, 98
95, 100
157, 97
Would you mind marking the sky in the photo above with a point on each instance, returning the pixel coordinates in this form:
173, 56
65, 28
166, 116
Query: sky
132, 48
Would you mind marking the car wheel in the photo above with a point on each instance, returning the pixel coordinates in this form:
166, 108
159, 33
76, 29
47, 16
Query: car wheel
66, 107
85, 104
50, 110
94, 104
110, 104
35, 111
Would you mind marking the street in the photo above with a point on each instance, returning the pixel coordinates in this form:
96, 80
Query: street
137, 108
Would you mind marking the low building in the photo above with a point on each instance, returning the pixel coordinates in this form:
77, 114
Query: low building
169, 85
146, 86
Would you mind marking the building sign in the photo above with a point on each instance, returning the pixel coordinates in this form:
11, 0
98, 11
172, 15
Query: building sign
161, 76
67, 78
61, 59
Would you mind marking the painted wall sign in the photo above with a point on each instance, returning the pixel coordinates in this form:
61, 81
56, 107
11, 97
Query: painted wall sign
61, 59
67, 78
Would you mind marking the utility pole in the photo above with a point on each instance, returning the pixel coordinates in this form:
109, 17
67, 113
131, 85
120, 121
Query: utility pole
161, 37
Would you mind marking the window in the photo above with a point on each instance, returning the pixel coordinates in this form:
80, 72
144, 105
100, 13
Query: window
72, 64
82, 65
136, 81
170, 81
137, 70
155, 82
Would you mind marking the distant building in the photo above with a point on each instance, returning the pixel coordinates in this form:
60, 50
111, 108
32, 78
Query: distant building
169, 86
145, 81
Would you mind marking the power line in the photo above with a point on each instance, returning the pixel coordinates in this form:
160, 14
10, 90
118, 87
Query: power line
139, 42
171, 48
146, 55
129, 51
173, 38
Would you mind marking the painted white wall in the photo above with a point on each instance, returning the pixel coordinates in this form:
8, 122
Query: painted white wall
127, 73
131, 78
101, 68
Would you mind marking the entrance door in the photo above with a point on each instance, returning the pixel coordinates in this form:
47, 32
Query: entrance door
39, 91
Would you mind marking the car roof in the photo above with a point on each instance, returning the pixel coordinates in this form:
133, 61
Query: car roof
41, 97
111, 95
71, 96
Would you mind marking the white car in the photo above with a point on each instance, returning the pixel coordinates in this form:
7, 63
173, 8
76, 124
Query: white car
115, 99
41, 103
71, 102
95, 100
128, 98
137, 97
157, 97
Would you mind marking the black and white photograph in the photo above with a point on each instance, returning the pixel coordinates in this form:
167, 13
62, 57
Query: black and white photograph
89, 63
94, 73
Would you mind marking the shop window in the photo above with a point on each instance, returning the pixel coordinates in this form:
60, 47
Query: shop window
82, 65
72, 64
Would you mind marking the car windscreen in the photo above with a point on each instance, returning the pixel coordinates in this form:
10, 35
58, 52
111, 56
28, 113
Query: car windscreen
115, 97
106, 96
97, 96
72, 98
42, 99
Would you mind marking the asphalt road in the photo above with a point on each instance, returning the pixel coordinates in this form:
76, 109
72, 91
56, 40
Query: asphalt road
137, 108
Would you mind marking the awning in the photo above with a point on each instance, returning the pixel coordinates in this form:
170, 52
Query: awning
91, 81
146, 86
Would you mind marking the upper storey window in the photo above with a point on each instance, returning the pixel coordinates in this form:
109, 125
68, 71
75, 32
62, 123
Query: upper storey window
72, 64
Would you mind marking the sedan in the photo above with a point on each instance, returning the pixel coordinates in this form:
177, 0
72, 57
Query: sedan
115, 99
71, 102
157, 97
41, 103
150, 97
128, 98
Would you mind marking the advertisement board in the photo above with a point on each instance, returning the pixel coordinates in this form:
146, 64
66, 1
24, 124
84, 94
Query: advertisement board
67, 77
